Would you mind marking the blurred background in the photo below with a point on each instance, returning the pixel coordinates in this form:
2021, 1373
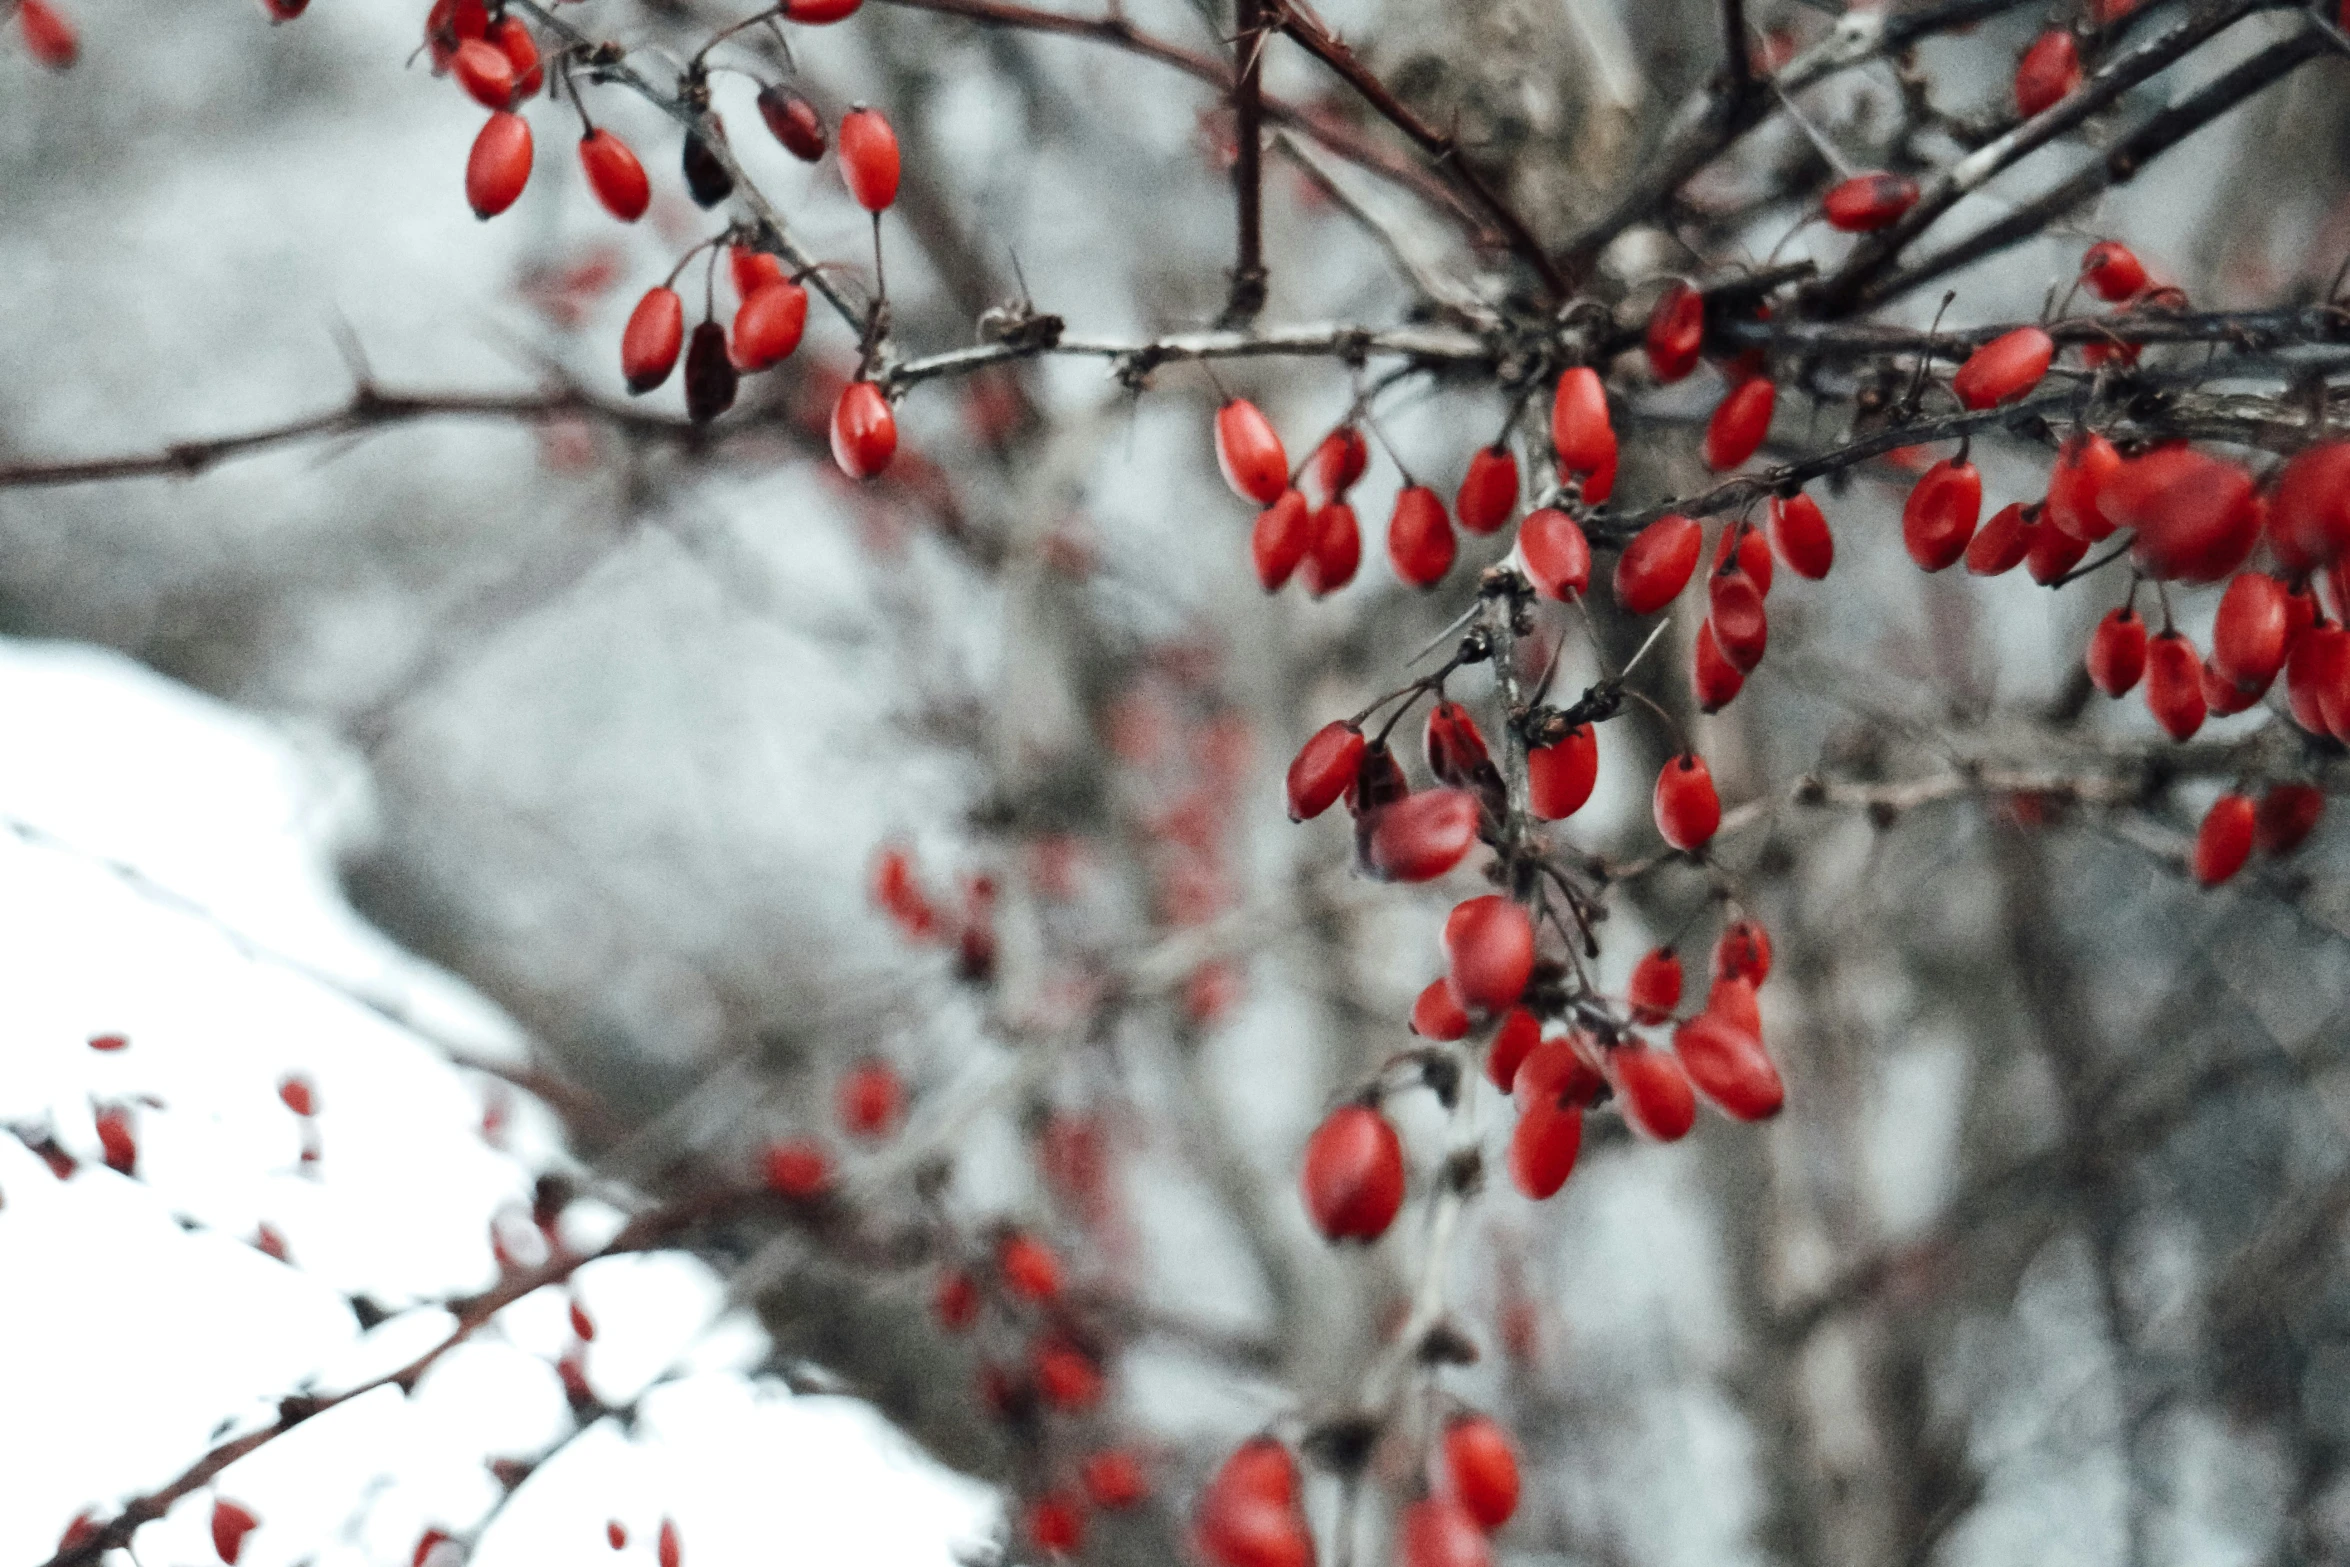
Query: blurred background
559, 749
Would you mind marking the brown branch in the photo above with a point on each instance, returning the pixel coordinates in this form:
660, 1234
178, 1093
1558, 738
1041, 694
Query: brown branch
1248, 162
2118, 167
1318, 41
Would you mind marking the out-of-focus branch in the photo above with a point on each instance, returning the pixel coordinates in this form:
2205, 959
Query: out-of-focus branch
1324, 45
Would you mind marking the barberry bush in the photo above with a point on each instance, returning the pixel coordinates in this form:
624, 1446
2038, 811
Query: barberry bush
1410, 784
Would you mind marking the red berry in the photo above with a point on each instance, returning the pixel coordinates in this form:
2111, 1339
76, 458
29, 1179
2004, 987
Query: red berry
484, 71
2001, 544
872, 1099
614, 174
1337, 550
1557, 555
1422, 836
1655, 987
817, 13
1560, 777
1675, 332
1728, 1064
1733, 998
1740, 624
1736, 430
650, 344
1340, 460
869, 158
864, 430
2286, 816
956, 1301
1938, 520
1248, 1514
1868, 202
2195, 515
1278, 541
1599, 484
499, 165
451, 22
49, 37
793, 121
1114, 1478
1687, 809
1744, 952
2224, 842
768, 326
710, 376
2316, 672
1489, 952
116, 1141
1654, 1091
1799, 532
796, 1168
1323, 768
2076, 486
1030, 1269
1420, 543
669, 1551
1579, 424
2312, 506
583, 1326
1378, 781
1489, 492
2111, 272
1353, 1174
512, 36
1556, 1073
2051, 553
616, 1535
230, 1524
1438, 1532
1519, 1033
107, 1043
1247, 450
1055, 1521
1482, 1467
2174, 685
2048, 72
1657, 564
2222, 697
2005, 368
1742, 547
1438, 1014
1714, 680
1065, 1375
2250, 636
298, 1096
1454, 746
2117, 652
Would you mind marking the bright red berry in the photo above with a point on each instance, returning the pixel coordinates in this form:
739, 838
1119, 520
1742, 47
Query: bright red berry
955, 1303
864, 430
2252, 632
1489, 491
872, 1099
1438, 1013
869, 158
616, 1535
1560, 776
1799, 532
2051, 553
512, 36
1687, 809
1579, 425
230, 1524
1420, 542
2076, 486
2286, 816
1248, 1514
297, 1094
2224, 842
116, 1141
1336, 552
669, 1550
1513, 1041
793, 121
108, 1043
768, 326
1489, 952
1323, 768
1249, 453
499, 165
2174, 685
49, 37
1066, 1377
2111, 272
1482, 1466
1556, 553
650, 344
751, 270
1938, 520
614, 174
1868, 202
1736, 430
1438, 1532
1055, 1523
1740, 623
796, 1168
1654, 1090
1675, 332
2315, 674
1114, 1478
2005, 368
1422, 836
818, 13
484, 71
1353, 1176
2001, 544
1713, 679
1743, 952
2117, 652
1030, 1269
1279, 539
2196, 516
1340, 460
2048, 72
1727, 1063
1655, 987
1657, 564
2311, 510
